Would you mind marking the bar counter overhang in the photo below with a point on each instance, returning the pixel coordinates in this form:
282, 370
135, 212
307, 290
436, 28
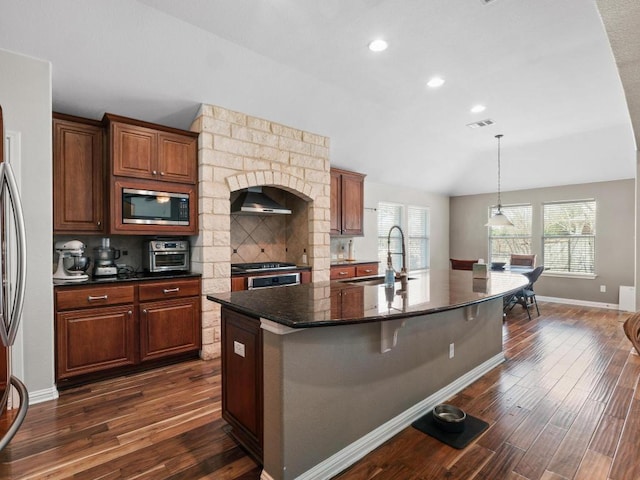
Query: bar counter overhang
348, 365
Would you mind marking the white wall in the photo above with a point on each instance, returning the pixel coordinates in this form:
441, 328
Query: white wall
366, 247
25, 96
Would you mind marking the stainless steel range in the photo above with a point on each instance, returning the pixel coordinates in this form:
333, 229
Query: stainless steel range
267, 274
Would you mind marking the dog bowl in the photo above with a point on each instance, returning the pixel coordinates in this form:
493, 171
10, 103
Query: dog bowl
449, 418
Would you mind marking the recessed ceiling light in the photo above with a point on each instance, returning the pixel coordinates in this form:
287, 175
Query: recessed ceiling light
378, 45
478, 108
435, 82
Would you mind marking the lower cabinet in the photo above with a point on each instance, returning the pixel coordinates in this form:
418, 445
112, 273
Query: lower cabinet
96, 339
242, 401
108, 329
169, 328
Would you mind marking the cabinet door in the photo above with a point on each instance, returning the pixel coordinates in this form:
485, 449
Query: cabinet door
335, 224
242, 378
134, 150
95, 339
352, 203
169, 328
78, 177
177, 158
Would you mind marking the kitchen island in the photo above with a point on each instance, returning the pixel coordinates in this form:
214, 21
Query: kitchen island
315, 376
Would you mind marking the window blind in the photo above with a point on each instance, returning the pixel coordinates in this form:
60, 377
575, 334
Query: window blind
503, 241
389, 214
418, 241
569, 235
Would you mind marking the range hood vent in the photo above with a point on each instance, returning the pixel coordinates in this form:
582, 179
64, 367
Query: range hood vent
254, 202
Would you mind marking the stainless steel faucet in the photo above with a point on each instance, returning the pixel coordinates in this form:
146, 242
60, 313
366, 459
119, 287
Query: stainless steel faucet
403, 270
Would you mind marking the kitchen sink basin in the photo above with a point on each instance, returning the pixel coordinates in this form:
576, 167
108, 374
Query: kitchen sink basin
370, 280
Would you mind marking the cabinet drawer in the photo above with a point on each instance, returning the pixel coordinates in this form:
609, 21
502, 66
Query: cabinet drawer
366, 270
94, 297
169, 289
343, 272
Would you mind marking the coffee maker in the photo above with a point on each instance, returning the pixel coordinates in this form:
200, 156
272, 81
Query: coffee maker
104, 264
72, 264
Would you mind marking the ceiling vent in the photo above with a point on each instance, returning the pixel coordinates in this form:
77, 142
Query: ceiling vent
486, 2
481, 123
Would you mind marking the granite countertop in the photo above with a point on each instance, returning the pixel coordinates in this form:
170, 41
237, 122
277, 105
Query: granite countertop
349, 301
137, 277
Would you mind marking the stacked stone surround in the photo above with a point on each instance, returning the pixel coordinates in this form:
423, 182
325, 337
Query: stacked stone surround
237, 151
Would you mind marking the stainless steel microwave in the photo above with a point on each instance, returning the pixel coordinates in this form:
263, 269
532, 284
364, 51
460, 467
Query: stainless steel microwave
150, 207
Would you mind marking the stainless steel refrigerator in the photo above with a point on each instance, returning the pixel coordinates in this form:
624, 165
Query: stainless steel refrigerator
13, 260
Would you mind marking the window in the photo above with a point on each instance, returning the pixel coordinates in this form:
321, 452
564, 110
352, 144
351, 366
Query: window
418, 239
416, 229
503, 241
569, 235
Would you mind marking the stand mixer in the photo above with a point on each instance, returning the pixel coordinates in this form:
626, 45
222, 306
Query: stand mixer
72, 264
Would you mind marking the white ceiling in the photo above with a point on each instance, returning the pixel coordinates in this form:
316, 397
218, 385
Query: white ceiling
543, 68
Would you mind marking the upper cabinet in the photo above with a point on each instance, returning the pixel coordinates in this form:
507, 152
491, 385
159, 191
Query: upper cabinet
347, 202
147, 151
78, 175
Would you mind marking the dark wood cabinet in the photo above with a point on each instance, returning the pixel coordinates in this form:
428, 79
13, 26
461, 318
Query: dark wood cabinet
146, 151
347, 203
93, 340
109, 328
242, 393
171, 324
347, 302
339, 272
78, 175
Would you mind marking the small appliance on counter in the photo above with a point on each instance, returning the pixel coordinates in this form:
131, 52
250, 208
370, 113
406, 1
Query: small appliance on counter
72, 264
104, 264
166, 255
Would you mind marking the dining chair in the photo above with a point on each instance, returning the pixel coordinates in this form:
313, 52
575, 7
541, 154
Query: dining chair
527, 297
522, 260
631, 328
462, 264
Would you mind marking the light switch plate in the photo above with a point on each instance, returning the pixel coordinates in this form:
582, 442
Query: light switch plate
238, 348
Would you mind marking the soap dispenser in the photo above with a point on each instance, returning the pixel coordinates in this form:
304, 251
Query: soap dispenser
390, 274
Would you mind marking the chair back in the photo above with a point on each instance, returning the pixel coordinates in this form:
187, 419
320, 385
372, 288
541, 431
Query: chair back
523, 260
533, 276
631, 328
462, 264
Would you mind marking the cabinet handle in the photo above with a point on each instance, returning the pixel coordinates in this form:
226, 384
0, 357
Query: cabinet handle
154, 172
342, 273
144, 311
99, 223
91, 298
161, 173
171, 290
129, 313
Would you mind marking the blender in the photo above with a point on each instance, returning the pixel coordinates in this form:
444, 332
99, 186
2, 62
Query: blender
72, 264
104, 264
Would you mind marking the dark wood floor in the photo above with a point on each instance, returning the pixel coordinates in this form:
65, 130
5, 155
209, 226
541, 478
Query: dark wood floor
565, 405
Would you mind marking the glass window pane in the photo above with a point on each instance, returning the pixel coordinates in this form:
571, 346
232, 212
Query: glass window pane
504, 241
569, 236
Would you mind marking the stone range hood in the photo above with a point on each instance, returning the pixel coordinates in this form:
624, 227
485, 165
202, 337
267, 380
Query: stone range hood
237, 151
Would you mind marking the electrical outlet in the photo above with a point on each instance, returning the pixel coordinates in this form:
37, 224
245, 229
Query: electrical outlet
451, 350
238, 348
603, 288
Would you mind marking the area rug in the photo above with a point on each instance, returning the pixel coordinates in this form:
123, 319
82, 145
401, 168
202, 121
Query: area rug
473, 427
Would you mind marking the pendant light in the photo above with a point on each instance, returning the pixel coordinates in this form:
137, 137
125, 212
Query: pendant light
499, 219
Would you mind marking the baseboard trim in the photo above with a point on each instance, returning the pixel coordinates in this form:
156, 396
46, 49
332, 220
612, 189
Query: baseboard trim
582, 303
265, 476
361, 447
39, 396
